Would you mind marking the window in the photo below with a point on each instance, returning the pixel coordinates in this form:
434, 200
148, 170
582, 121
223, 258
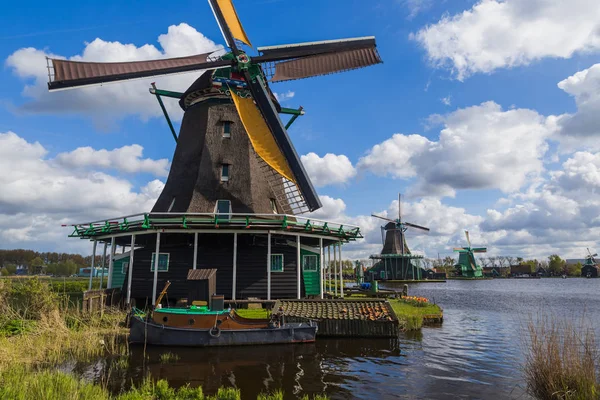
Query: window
223, 209
226, 129
224, 172
310, 263
124, 267
163, 262
382, 274
273, 206
276, 262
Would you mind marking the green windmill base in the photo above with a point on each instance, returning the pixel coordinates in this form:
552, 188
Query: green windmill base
467, 265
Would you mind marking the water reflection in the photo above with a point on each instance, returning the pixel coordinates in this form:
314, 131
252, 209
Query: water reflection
476, 353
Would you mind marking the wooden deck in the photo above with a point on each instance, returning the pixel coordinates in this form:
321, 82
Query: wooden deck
344, 318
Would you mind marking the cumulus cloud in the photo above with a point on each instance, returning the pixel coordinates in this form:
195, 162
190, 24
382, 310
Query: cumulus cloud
126, 159
38, 194
581, 129
507, 33
416, 7
281, 97
479, 147
329, 169
119, 99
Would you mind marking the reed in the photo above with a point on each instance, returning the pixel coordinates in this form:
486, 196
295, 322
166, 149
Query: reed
561, 359
168, 357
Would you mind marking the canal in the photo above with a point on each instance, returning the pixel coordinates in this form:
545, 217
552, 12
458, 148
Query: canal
476, 353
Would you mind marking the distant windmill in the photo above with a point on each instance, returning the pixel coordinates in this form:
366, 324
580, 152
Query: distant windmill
395, 248
590, 268
467, 264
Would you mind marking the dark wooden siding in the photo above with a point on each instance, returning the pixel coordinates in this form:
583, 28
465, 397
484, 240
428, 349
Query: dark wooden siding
216, 251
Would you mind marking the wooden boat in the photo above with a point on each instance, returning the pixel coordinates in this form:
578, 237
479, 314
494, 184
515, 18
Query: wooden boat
200, 326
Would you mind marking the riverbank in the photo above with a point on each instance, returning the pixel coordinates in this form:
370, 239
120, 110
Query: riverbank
40, 333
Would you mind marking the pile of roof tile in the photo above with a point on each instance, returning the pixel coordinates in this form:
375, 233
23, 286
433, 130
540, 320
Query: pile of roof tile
364, 310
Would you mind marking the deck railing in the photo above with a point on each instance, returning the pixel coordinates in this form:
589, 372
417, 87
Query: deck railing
201, 221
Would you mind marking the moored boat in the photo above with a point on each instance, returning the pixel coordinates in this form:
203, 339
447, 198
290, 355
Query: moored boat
199, 326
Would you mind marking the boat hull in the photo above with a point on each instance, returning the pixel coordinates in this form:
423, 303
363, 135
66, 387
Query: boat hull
148, 332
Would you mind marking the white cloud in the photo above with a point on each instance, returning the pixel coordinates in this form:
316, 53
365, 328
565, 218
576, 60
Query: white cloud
479, 147
502, 34
329, 169
126, 159
582, 128
281, 97
37, 195
118, 99
447, 101
416, 6
393, 157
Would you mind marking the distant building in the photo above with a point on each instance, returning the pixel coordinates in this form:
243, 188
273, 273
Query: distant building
433, 274
520, 270
85, 272
491, 272
541, 271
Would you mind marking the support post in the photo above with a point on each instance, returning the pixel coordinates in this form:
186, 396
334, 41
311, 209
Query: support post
341, 272
156, 259
130, 272
233, 285
321, 269
103, 264
298, 267
195, 251
334, 271
329, 266
164, 110
111, 262
93, 265
269, 266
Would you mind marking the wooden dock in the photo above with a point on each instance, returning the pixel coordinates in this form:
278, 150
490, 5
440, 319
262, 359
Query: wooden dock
344, 318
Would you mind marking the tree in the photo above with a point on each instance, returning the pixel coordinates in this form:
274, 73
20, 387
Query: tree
556, 265
532, 265
574, 269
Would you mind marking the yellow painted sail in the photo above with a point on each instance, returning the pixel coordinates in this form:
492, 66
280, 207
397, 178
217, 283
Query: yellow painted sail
260, 136
233, 21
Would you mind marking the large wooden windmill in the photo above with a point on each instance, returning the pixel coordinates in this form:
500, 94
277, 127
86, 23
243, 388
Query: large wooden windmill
467, 265
396, 261
234, 170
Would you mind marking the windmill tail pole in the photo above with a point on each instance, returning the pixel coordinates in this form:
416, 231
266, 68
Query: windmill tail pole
164, 110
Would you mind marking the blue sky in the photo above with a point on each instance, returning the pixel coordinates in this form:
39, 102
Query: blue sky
452, 67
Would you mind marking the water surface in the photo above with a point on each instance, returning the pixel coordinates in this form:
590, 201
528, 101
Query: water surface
476, 353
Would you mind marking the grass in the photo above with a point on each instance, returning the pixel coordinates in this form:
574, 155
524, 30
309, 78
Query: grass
561, 360
253, 313
412, 317
168, 357
18, 383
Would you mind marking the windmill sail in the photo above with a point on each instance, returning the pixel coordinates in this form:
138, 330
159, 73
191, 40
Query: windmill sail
260, 136
232, 20
66, 74
305, 60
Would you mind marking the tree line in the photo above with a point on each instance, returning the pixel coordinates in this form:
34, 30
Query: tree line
33, 262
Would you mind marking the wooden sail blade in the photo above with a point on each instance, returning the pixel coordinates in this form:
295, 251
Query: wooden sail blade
70, 74
384, 218
479, 250
233, 25
306, 60
460, 249
267, 108
416, 226
260, 136
468, 239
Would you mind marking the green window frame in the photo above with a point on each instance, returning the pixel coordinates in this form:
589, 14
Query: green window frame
124, 267
310, 262
163, 262
276, 262
382, 275
225, 171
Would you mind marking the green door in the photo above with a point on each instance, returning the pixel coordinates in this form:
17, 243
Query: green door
311, 272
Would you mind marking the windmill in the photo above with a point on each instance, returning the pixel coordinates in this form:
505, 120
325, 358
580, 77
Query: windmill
590, 268
395, 256
234, 168
239, 78
467, 265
